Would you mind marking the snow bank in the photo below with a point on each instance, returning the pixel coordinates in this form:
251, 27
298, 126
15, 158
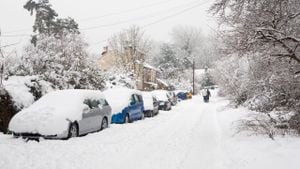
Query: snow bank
119, 98
51, 114
18, 88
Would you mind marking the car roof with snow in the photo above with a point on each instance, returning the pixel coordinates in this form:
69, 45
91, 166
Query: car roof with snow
160, 94
119, 98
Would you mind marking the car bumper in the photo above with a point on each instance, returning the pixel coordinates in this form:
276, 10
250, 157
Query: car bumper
37, 136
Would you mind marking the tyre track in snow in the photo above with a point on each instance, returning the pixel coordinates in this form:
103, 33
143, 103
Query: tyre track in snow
205, 148
166, 144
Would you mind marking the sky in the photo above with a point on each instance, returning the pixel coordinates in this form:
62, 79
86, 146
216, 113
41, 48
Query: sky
98, 19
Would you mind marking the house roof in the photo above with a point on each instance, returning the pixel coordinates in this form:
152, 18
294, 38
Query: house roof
146, 65
162, 82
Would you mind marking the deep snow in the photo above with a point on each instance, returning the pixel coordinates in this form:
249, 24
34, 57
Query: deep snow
193, 135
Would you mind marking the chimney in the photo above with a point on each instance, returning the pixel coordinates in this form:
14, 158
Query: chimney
105, 50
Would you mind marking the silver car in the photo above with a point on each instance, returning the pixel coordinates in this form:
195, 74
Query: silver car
63, 114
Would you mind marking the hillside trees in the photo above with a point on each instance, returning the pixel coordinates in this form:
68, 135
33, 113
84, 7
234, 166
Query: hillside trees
267, 26
262, 51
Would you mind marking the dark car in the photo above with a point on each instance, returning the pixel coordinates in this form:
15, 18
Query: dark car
164, 101
172, 97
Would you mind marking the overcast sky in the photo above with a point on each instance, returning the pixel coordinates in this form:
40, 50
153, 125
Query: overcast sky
100, 19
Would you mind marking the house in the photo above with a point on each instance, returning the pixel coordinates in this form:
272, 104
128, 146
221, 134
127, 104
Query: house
134, 61
150, 77
107, 59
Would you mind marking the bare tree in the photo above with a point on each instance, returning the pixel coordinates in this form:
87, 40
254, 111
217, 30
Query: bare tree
129, 46
187, 41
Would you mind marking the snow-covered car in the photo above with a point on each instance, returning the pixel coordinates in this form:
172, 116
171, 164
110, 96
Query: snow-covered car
172, 96
164, 101
127, 104
150, 104
63, 114
181, 94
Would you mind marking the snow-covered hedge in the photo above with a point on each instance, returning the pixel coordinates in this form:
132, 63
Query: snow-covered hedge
261, 83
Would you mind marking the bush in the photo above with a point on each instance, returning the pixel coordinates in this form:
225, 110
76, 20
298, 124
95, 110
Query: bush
7, 109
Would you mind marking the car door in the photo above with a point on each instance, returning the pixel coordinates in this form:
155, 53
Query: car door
132, 107
105, 110
140, 106
90, 116
155, 104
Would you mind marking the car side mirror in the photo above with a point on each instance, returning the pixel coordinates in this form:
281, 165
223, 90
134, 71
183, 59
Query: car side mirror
100, 106
86, 109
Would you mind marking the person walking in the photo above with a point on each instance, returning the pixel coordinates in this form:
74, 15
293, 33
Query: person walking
206, 94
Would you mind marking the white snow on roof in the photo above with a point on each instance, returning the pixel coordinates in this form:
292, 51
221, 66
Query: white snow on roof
146, 65
163, 82
119, 98
51, 113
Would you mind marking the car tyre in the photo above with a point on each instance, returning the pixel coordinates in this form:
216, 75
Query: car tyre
126, 120
73, 130
104, 123
143, 116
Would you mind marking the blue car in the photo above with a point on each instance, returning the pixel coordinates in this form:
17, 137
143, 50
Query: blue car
181, 95
127, 105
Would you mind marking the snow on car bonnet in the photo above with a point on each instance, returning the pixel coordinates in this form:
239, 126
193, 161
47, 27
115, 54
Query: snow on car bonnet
58, 108
119, 98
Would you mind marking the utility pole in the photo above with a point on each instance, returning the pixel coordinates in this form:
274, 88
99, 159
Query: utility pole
1, 64
194, 76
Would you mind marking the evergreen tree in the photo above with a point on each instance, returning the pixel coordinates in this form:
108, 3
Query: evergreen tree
46, 21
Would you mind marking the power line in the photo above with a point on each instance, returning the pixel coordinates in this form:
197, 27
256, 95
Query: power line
108, 14
140, 18
175, 14
162, 19
126, 11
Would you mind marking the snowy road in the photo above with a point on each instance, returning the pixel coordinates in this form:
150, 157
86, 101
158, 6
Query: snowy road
194, 135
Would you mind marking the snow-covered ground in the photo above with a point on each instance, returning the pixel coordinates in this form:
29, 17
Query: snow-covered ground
193, 135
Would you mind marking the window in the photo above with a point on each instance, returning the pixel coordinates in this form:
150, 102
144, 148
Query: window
92, 103
132, 99
140, 98
103, 102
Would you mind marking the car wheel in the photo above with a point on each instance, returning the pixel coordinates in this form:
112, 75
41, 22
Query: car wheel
143, 116
104, 123
126, 119
73, 130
